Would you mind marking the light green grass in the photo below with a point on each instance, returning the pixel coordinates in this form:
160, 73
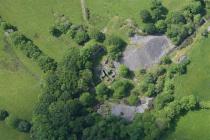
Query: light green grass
7, 133
193, 126
197, 79
19, 87
102, 11
35, 17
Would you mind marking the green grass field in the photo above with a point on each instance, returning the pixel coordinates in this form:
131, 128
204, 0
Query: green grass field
34, 18
20, 77
102, 11
19, 87
197, 79
193, 126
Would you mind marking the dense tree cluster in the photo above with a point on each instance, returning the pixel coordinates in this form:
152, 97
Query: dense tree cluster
64, 109
177, 25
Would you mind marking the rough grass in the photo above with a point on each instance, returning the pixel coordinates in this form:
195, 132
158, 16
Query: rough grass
35, 17
197, 79
101, 11
192, 126
19, 87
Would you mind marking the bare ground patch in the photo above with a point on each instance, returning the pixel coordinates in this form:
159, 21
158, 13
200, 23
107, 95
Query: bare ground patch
144, 51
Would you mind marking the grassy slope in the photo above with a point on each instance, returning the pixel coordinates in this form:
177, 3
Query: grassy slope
193, 126
102, 11
197, 79
19, 87
34, 17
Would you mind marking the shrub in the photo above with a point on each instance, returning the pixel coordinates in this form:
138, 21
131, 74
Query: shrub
86, 99
121, 88
151, 90
3, 114
81, 37
145, 16
102, 91
116, 41
166, 60
97, 35
46, 63
175, 18
161, 26
124, 71
205, 33
149, 28
55, 32
163, 99
133, 100
159, 86
12, 121
19, 39
7, 26
24, 126
114, 52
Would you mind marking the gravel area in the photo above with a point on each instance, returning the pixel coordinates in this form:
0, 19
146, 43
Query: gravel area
144, 51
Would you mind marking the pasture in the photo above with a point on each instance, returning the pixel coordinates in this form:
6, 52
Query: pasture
197, 79
20, 77
193, 126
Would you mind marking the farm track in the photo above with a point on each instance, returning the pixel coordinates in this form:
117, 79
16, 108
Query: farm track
84, 10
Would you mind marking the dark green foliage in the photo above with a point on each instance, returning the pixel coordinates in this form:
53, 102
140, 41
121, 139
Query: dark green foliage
116, 41
165, 60
46, 63
86, 99
107, 129
159, 84
133, 100
81, 37
102, 91
121, 88
85, 80
91, 52
195, 8
149, 28
12, 121
19, 39
178, 33
124, 71
175, 18
3, 114
145, 16
32, 51
163, 99
115, 47
61, 27
63, 108
161, 26
158, 11
97, 35
7, 26
151, 90
55, 32
24, 126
